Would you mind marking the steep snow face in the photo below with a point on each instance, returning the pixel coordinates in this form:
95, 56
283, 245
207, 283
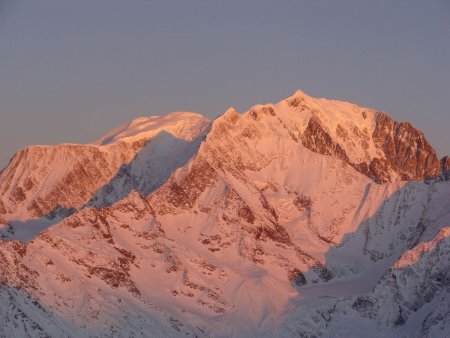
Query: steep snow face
347, 124
370, 141
44, 183
272, 228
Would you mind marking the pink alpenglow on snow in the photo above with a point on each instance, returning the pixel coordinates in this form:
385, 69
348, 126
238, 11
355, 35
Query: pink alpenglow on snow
302, 218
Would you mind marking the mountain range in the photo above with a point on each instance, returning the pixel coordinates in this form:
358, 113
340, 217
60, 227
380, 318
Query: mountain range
305, 218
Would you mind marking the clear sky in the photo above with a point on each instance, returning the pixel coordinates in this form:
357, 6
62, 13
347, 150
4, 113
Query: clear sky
72, 69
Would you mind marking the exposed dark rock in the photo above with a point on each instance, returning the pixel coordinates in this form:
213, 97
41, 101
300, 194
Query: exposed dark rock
303, 203
405, 148
364, 305
257, 113
400, 320
2, 208
247, 214
184, 193
445, 167
277, 234
406, 151
323, 273
317, 139
297, 277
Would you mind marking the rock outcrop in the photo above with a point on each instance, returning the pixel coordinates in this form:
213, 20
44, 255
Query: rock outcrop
405, 149
308, 217
445, 167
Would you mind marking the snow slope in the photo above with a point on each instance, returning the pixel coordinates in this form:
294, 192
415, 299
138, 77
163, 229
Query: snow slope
292, 219
43, 184
183, 125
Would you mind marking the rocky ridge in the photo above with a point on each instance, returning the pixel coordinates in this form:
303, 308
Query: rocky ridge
272, 202
50, 182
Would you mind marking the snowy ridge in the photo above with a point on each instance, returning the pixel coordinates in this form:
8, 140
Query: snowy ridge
347, 123
184, 125
265, 223
41, 184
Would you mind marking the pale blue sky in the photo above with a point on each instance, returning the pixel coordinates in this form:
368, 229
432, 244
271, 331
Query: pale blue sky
71, 70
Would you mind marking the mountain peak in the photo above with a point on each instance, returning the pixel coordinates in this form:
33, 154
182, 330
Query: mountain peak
299, 93
161, 231
230, 110
185, 125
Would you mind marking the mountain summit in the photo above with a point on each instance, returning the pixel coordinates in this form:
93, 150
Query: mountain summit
304, 218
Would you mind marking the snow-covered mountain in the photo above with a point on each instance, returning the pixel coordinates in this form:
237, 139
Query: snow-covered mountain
308, 217
43, 184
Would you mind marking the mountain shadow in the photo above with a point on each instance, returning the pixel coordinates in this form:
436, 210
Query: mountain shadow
149, 169
24, 316
365, 258
412, 214
24, 231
